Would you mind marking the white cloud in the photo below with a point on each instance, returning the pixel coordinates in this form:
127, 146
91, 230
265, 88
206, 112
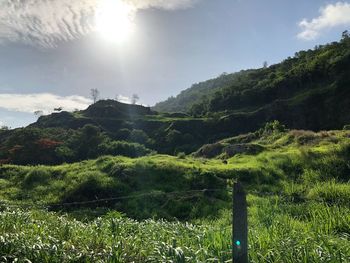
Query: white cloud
162, 4
123, 99
47, 23
332, 15
45, 102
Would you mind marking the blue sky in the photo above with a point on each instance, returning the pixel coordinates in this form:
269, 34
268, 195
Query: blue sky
52, 53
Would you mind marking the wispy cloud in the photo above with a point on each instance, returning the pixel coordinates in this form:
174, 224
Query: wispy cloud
162, 4
332, 15
47, 23
45, 102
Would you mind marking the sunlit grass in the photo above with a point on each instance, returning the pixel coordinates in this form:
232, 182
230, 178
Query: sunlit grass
298, 205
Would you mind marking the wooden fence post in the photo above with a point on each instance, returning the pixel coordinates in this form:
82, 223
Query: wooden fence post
240, 225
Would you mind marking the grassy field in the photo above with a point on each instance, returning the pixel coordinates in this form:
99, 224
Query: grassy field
298, 205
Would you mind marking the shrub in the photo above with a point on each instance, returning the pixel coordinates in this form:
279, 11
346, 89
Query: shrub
304, 137
123, 148
346, 127
123, 134
138, 136
39, 175
273, 126
96, 185
181, 155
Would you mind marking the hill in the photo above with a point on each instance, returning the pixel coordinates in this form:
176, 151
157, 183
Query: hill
106, 127
309, 91
298, 196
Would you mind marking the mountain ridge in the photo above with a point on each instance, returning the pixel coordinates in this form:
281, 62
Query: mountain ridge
319, 76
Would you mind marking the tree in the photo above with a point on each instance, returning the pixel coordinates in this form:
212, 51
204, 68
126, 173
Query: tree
95, 94
265, 64
38, 113
138, 136
83, 144
58, 109
345, 34
134, 98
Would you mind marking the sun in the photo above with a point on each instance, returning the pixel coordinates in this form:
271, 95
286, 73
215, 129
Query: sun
114, 20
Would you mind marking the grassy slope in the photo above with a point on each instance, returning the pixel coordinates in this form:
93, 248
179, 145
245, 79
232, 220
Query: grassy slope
306, 220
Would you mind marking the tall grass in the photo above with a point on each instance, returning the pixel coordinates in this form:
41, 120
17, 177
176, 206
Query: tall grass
298, 206
279, 231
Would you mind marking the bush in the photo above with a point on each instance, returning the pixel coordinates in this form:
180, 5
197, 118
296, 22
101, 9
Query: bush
37, 176
181, 155
272, 127
138, 136
306, 137
96, 185
123, 148
346, 127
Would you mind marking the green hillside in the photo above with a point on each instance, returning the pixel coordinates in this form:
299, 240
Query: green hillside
106, 127
127, 183
299, 194
309, 91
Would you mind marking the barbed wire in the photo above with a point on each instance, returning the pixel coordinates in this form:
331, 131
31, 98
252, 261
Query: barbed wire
154, 193
169, 195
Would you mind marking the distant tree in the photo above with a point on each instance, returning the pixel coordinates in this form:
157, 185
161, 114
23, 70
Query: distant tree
38, 113
345, 35
95, 94
123, 134
138, 136
31, 146
174, 137
265, 64
84, 143
135, 98
58, 109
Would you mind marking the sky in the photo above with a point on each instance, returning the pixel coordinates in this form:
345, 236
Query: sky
52, 53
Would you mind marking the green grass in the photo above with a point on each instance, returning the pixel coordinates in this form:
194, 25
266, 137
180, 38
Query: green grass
298, 205
279, 231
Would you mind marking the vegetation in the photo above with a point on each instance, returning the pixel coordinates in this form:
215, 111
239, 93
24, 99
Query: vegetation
308, 91
99, 185
279, 232
298, 204
56, 145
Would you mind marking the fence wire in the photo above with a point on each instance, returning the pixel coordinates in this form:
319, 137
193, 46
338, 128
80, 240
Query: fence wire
169, 195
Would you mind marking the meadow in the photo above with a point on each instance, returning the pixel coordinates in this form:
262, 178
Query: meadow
161, 208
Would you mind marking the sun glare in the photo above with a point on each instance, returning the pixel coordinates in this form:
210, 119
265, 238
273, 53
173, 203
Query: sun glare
114, 20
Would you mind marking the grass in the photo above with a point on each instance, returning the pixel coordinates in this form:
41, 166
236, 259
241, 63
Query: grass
298, 205
279, 231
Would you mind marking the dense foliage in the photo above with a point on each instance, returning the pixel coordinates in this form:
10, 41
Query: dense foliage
309, 91
33, 145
